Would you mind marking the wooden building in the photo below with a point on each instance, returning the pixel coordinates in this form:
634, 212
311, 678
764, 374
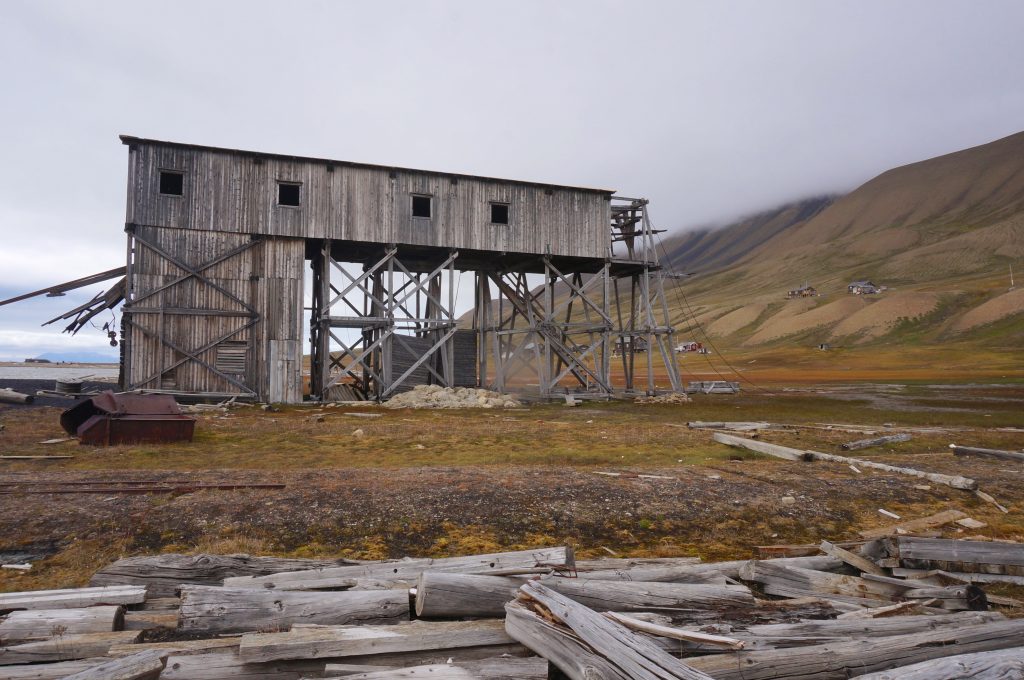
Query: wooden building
220, 240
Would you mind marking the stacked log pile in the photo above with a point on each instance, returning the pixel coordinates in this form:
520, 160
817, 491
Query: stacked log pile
898, 606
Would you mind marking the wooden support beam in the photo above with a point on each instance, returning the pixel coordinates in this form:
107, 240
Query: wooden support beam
877, 441
146, 665
999, 454
67, 647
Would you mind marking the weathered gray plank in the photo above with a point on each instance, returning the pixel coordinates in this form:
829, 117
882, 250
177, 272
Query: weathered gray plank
530, 668
66, 647
41, 624
1003, 664
142, 666
72, 597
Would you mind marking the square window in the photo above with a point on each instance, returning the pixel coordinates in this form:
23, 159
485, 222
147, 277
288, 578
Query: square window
421, 206
172, 183
288, 193
499, 213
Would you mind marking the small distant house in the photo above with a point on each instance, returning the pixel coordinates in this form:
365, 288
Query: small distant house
863, 288
803, 291
688, 346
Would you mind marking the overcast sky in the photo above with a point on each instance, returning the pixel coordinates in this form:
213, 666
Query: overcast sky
710, 109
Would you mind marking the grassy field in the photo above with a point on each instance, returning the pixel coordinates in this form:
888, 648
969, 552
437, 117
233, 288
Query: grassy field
451, 482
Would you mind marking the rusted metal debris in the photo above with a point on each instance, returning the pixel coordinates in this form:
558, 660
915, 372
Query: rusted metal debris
120, 418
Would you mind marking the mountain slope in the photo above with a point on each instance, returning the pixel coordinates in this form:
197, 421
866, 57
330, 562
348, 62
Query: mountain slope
941, 234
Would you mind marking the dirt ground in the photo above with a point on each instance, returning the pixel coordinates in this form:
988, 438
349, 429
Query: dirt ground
453, 482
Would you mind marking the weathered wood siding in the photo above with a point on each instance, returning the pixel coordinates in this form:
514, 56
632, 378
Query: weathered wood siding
237, 192
268, 277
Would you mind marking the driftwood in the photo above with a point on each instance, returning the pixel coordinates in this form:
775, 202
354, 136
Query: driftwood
42, 624
1003, 664
164, 574
1016, 456
440, 595
630, 563
729, 425
66, 647
531, 668
783, 452
409, 570
632, 596
795, 582
673, 633
142, 666
853, 559
693, 573
841, 660
967, 577
72, 598
584, 644
877, 441
234, 610
49, 671
228, 643
8, 396
317, 642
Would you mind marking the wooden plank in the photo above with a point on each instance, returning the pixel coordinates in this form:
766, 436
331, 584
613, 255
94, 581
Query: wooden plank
804, 633
854, 560
66, 647
841, 660
209, 609
72, 598
955, 550
142, 666
409, 569
795, 582
48, 671
42, 624
692, 573
915, 525
966, 576
584, 644
164, 574
784, 452
877, 441
1004, 664
658, 630
631, 596
999, 454
440, 595
530, 668
342, 641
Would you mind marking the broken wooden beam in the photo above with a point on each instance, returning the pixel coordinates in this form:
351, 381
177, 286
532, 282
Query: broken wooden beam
530, 668
162, 575
876, 441
72, 597
633, 596
316, 642
1002, 664
784, 452
40, 624
66, 647
673, 633
729, 425
949, 554
8, 396
915, 525
1015, 456
854, 560
146, 665
444, 595
841, 660
210, 609
582, 644
410, 570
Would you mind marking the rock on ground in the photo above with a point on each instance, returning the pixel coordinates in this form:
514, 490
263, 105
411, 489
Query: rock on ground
435, 396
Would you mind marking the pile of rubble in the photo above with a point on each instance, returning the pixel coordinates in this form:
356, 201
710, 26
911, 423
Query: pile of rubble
435, 396
856, 609
674, 398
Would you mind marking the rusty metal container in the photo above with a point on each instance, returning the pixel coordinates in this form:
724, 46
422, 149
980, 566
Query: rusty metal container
109, 418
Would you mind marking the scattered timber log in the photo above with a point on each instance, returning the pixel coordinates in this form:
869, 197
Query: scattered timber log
1016, 456
785, 635
632, 596
146, 620
692, 573
228, 665
72, 598
583, 644
227, 643
672, 633
49, 671
952, 597
783, 452
967, 577
842, 660
877, 441
443, 595
164, 574
210, 609
623, 563
410, 570
8, 396
915, 525
795, 582
988, 556
1003, 664
788, 453
142, 666
66, 647
854, 560
317, 642
729, 425
531, 668
41, 624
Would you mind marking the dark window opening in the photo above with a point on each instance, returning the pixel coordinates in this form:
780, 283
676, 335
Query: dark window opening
499, 213
172, 183
288, 194
421, 206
